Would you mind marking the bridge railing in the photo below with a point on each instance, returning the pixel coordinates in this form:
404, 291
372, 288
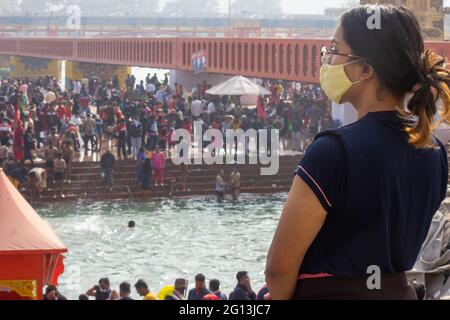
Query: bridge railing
286, 59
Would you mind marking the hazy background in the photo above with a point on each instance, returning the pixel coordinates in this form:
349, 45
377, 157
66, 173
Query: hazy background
185, 7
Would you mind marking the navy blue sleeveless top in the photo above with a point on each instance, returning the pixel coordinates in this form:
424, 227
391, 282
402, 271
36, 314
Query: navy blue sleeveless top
380, 194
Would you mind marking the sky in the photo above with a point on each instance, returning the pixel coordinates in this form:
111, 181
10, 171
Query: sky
309, 7
306, 6
296, 6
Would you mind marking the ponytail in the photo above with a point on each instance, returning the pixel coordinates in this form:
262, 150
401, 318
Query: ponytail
435, 85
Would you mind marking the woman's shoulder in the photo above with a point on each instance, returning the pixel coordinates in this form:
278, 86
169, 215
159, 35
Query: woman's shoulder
327, 141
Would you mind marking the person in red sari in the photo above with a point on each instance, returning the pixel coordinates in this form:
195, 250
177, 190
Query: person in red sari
18, 141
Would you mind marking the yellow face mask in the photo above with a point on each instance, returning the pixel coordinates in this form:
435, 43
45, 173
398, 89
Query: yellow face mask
334, 81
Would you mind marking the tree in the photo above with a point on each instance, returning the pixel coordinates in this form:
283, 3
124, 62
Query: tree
189, 8
249, 7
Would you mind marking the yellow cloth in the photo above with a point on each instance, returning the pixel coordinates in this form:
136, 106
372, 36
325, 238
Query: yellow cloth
149, 154
150, 296
166, 291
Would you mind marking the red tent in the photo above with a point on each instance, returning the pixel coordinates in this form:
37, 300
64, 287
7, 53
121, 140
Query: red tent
30, 251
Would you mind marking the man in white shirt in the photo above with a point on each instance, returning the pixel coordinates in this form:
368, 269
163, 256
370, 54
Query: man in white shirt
197, 108
77, 87
211, 111
151, 88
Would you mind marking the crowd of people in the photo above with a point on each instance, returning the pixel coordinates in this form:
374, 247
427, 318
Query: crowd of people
178, 291
40, 120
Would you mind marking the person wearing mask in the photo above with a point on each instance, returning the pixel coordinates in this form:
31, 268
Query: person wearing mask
364, 195
200, 290
243, 290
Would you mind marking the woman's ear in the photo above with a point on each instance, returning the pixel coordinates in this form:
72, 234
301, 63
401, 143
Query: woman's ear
367, 71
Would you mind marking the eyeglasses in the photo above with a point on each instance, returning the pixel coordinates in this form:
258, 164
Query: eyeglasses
326, 54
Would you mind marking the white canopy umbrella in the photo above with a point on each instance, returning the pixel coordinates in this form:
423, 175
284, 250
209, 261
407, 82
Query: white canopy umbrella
249, 101
238, 86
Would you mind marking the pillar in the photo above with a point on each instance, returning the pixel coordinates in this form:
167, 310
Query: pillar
78, 70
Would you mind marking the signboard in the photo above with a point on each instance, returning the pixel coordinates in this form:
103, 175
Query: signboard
199, 61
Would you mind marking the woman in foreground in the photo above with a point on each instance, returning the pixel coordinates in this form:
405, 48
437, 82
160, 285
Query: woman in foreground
364, 195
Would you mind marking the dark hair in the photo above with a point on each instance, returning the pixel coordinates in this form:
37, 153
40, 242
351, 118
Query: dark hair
141, 284
420, 289
214, 285
396, 52
180, 283
50, 288
240, 275
125, 287
83, 297
131, 224
104, 280
200, 277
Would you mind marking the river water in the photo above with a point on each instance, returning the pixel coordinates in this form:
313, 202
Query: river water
172, 238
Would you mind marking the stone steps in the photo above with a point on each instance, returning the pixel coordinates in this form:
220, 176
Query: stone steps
114, 196
86, 181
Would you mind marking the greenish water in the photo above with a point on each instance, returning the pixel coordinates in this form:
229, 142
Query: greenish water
172, 238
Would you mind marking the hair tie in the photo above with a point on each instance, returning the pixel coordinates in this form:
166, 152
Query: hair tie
417, 87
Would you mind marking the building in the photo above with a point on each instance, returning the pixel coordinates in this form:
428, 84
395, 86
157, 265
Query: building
430, 14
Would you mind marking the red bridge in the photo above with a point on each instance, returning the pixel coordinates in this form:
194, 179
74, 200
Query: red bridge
286, 59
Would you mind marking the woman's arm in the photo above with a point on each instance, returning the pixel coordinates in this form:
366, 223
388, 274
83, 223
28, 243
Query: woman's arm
301, 220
